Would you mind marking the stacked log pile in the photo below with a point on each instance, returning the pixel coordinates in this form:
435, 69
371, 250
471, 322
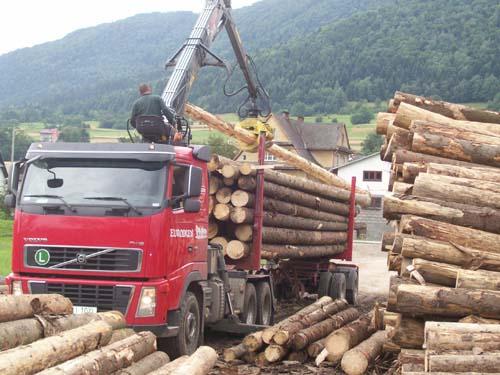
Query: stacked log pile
40, 335
327, 329
445, 208
302, 218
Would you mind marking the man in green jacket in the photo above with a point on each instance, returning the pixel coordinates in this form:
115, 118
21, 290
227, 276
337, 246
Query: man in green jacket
150, 105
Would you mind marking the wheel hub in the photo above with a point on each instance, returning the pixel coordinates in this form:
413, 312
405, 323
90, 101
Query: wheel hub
191, 327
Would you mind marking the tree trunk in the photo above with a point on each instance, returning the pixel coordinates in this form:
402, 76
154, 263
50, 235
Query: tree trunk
287, 331
237, 249
483, 174
168, 368
464, 363
55, 325
478, 319
274, 205
200, 363
146, 365
261, 360
402, 188
451, 110
357, 360
453, 234
452, 254
223, 195
253, 342
215, 183
478, 279
241, 198
14, 307
19, 332
387, 241
409, 333
323, 328
447, 302
222, 241
347, 337
247, 183
234, 352
121, 334
300, 357
445, 337
407, 114
394, 262
483, 218
301, 237
404, 156
412, 170
48, 352
268, 333
398, 141
230, 171
382, 122
275, 353
437, 273
222, 212
295, 252
434, 139
110, 358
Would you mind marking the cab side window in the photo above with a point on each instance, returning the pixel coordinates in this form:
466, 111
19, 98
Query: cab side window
180, 175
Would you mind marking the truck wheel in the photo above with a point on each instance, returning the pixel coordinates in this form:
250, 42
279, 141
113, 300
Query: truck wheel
249, 314
264, 304
325, 280
186, 341
338, 286
352, 288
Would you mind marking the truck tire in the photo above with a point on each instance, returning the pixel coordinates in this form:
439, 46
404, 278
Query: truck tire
325, 280
338, 286
187, 340
264, 304
352, 287
249, 313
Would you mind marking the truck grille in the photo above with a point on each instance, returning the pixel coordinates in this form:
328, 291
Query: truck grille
105, 298
83, 259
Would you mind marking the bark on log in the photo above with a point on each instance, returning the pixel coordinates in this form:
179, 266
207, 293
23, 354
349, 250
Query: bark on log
268, 333
475, 173
287, 331
229, 182
237, 249
387, 241
323, 328
405, 156
315, 348
398, 141
451, 110
171, 366
483, 218
19, 332
407, 113
357, 360
253, 342
215, 183
247, 183
452, 254
300, 357
222, 241
393, 129
382, 122
121, 334
412, 170
110, 358
235, 352
292, 237
412, 356
402, 188
48, 352
347, 337
464, 363
14, 307
222, 212
478, 319
296, 252
409, 333
434, 139
200, 363
468, 183
445, 337
223, 195
146, 365
275, 353
261, 360
249, 357
453, 234
447, 302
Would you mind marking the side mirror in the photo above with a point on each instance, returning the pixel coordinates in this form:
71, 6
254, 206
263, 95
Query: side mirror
55, 183
192, 205
193, 182
14, 178
10, 201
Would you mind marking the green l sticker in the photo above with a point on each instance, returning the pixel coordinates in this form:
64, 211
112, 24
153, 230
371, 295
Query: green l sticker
42, 257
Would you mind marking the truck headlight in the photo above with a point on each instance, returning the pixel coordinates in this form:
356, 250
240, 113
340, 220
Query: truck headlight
17, 288
147, 302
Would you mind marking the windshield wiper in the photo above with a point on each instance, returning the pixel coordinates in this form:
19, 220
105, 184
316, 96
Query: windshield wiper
116, 199
70, 207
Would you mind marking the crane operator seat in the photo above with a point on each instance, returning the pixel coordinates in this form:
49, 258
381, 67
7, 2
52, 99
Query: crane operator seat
154, 129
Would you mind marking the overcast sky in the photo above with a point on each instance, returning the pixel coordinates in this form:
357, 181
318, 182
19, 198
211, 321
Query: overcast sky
24, 23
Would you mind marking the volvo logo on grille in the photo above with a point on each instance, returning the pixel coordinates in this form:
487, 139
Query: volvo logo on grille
81, 259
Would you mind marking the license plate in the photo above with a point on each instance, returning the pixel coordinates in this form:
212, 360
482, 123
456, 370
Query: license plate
84, 309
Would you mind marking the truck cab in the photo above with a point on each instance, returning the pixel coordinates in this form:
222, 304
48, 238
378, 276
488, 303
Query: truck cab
124, 227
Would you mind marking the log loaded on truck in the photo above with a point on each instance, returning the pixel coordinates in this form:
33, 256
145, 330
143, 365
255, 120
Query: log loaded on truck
124, 226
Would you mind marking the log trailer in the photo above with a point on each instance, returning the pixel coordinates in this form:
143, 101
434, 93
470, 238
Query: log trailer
124, 226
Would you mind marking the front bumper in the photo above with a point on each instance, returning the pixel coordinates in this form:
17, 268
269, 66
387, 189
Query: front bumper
162, 330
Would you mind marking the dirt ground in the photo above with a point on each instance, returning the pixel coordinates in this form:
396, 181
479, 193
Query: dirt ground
373, 287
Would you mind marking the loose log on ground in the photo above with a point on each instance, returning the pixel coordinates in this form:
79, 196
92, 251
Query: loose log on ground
200, 363
235, 352
483, 174
146, 365
171, 366
448, 253
454, 111
443, 337
50, 351
434, 139
300, 356
447, 302
120, 334
13, 307
296, 252
237, 249
268, 333
464, 363
478, 319
275, 353
261, 361
19, 332
222, 212
223, 195
483, 218
253, 342
323, 328
357, 360
347, 337
412, 356
315, 348
287, 331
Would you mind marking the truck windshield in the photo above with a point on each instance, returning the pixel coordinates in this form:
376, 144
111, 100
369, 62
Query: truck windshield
136, 183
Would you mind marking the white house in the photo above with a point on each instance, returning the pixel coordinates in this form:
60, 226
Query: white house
371, 174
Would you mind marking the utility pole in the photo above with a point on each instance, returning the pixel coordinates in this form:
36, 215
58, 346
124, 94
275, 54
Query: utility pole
13, 143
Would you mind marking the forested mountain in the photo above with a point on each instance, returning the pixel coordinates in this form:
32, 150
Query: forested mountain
312, 55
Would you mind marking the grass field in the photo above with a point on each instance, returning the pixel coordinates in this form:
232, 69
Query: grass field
5, 246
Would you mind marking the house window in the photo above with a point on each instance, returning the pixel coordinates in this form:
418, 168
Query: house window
376, 203
270, 157
372, 175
